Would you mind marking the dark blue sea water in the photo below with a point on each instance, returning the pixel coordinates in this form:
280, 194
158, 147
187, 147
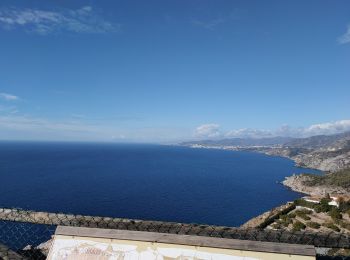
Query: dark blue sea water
150, 182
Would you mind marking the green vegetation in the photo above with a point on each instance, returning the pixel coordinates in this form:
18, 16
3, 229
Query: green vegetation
331, 226
276, 226
344, 206
297, 226
292, 215
312, 224
304, 203
303, 213
323, 206
285, 220
340, 179
335, 214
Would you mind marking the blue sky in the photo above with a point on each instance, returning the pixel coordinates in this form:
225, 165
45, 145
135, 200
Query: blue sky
164, 71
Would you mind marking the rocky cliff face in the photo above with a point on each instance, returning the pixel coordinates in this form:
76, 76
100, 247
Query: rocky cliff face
323, 161
326, 153
297, 183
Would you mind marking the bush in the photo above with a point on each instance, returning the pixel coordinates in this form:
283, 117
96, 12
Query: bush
323, 207
335, 214
284, 217
344, 206
276, 226
331, 226
312, 224
297, 226
303, 211
305, 217
340, 178
304, 203
285, 220
292, 215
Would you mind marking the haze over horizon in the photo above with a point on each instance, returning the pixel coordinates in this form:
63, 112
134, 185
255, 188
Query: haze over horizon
168, 71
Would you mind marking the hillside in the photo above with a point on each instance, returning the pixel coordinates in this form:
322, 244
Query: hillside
273, 141
329, 153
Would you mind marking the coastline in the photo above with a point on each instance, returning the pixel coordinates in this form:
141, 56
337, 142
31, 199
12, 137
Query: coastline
296, 183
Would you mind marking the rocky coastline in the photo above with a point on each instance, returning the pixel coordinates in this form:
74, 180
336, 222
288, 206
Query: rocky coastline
297, 183
263, 219
319, 160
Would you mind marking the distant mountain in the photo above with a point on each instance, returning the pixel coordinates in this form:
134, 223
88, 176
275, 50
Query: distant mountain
323, 152
272, 141
319, 141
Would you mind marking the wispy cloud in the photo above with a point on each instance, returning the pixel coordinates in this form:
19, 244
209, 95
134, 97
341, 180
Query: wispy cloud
214, 131
345, 38
207, 131
215, 21
16, 126
83, 20
8, 97
8, 109
248, 133
209, 24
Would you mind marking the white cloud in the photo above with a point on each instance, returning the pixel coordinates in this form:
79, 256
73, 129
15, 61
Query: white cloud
328, 128
82, 20
207, 131
210, 25
213, 130
8, 97
248, 133
345, 38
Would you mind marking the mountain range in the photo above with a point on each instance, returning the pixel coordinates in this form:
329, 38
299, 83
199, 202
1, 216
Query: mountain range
328, 153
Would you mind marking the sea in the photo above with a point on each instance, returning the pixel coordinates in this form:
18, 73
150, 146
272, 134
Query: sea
143, 181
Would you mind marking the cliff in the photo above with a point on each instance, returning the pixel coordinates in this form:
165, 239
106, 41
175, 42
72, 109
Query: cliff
326, 153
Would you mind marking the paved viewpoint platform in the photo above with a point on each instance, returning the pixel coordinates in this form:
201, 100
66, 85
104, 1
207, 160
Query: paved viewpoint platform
96, 243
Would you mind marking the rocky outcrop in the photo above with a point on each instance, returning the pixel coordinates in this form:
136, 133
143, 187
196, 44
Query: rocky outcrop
323, 161
297, 183
329, 153
269, 216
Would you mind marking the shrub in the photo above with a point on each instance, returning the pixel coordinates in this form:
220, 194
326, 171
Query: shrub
344, 206
335, 214
303, 211
297, 226
305, 217
331, 226
276, 226
312, 224
304, 203
283, 217
340, 178
285, 220
322, 207
292, 215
